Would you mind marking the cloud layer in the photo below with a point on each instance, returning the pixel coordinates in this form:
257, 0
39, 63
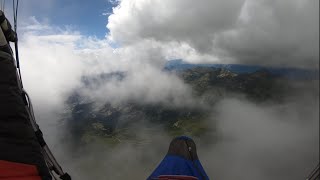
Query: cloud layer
239, 31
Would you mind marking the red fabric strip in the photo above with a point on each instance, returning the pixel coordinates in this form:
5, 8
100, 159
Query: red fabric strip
176, 177
18, 171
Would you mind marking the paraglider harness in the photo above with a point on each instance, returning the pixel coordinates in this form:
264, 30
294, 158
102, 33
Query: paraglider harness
11, 36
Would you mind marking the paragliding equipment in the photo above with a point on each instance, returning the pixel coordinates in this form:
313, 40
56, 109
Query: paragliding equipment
49, 158
181, 162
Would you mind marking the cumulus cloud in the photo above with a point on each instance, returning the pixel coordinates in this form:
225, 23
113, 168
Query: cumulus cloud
239, 31
49, 63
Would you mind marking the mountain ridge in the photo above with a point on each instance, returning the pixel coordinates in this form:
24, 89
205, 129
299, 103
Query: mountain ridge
287, 72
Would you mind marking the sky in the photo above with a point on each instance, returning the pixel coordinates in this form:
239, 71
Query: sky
62, 41
88, 17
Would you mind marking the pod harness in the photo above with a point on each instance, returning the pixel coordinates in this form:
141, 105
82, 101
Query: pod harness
11, 36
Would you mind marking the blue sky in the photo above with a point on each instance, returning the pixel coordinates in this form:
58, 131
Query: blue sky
83, 15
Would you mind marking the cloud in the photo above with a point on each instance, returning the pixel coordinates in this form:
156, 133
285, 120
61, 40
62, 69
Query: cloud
277, 141
114, 2
130, 159
54, 59
242, 31
148, 85
29, 9
49, 64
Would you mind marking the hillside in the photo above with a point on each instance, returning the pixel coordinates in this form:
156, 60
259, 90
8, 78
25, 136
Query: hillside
114, 123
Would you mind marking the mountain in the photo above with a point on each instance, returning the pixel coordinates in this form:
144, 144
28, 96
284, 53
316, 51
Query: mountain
111, 122
260, 85
114, 123
287, 72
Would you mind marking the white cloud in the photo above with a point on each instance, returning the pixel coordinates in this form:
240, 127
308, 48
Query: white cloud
277, 141
53, 60
49, 67
243, 31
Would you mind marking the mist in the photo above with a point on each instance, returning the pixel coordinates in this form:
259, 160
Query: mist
277, 141
251, 140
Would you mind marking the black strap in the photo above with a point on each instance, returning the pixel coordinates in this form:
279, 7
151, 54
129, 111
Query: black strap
2, 18
9, 33
66, 176
191, 157
39, 136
